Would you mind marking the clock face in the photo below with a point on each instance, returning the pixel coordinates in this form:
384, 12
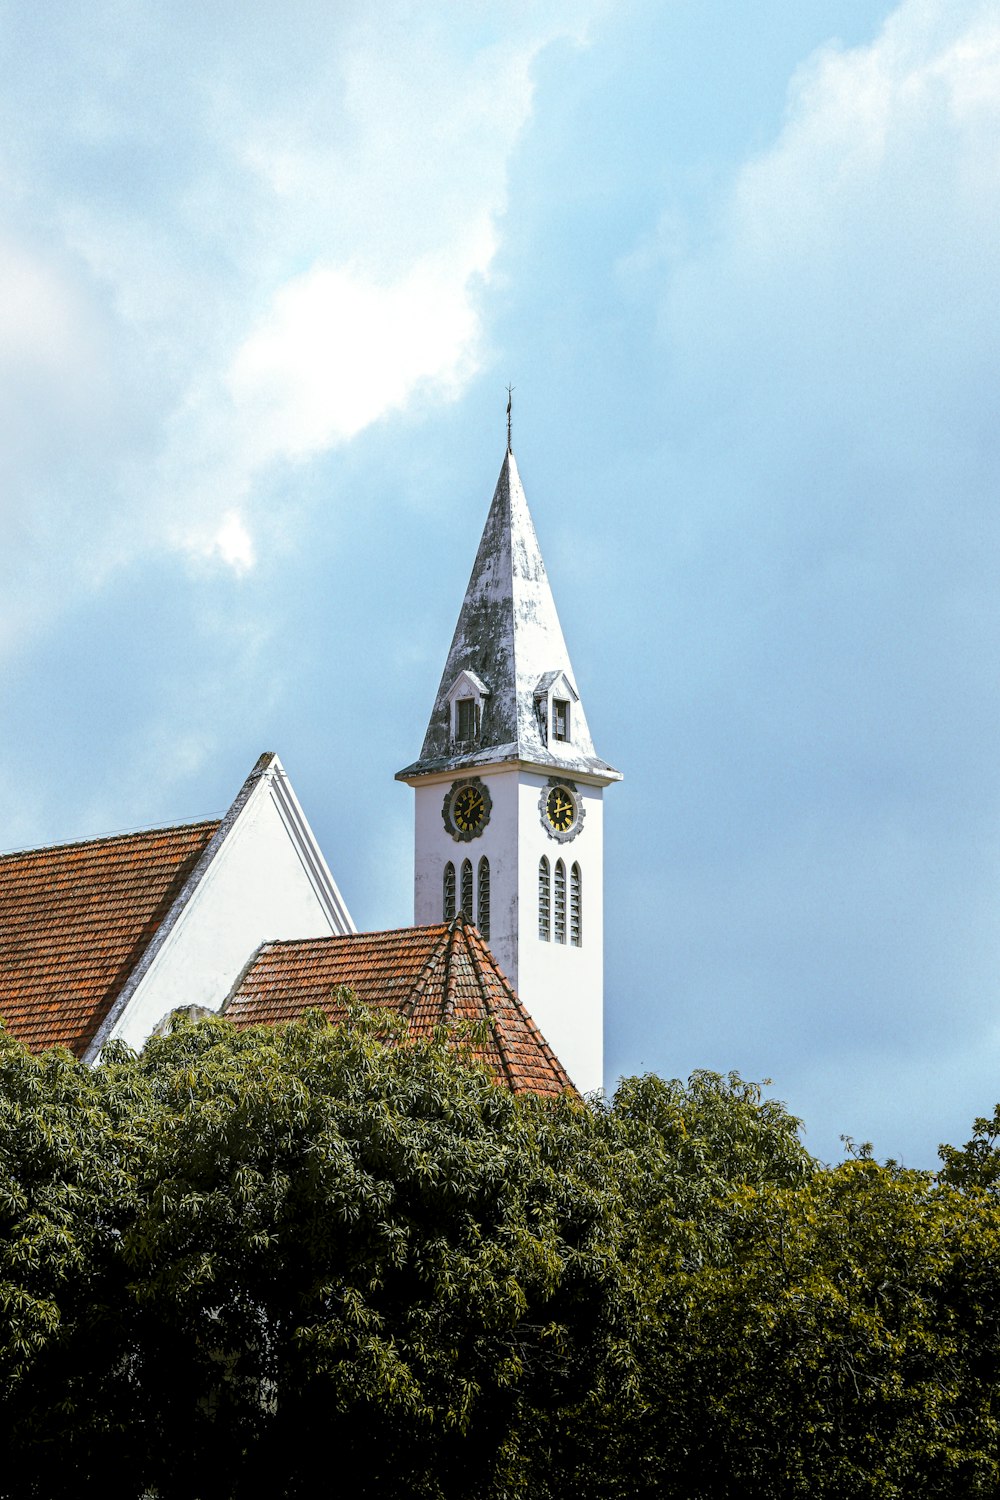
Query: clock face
469, 809
466, 810
561, 810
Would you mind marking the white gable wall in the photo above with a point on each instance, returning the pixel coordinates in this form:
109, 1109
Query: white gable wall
262, 878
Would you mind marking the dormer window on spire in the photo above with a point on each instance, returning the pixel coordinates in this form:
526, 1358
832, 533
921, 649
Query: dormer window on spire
465, 709
554, 700
466, 728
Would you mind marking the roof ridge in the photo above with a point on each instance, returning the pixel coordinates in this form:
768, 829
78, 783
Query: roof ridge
498, 1037
448, 1009
531, 1024
350, 937
110, 838
424, 974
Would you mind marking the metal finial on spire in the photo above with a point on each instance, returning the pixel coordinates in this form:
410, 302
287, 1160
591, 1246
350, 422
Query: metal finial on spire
510, 393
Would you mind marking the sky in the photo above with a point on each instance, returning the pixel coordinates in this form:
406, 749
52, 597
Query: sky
268, 270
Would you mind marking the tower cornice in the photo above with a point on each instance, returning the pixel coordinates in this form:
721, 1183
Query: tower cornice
594, 773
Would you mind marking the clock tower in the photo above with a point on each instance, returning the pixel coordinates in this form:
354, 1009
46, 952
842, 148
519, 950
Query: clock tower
509, 792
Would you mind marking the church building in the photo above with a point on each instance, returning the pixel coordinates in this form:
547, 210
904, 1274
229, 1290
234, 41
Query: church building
105, 938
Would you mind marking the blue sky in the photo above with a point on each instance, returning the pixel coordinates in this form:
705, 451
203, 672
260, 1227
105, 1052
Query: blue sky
268, 270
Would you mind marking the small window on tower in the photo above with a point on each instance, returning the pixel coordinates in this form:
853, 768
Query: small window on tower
559, 902
575, 906
467, 889
544, 899
483, 904
465, 719
449, 891
560, 719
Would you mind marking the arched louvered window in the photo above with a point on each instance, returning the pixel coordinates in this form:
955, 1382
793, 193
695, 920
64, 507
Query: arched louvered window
467, 889
575, 906
483, 898
559, 903
449, 891
544, 900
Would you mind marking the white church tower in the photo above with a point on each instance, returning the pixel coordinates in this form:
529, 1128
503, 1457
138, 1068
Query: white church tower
509, 792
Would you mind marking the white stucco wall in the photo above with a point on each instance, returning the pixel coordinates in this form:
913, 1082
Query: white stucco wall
434, 847
561, 986
256, 889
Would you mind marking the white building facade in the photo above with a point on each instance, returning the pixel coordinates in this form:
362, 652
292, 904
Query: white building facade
262, 878
509, 792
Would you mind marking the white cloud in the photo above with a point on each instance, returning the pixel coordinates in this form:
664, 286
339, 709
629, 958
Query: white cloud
915, 110
38, 316
400, 198
872, 219
233, 544
338, 350
274, 240
53, 370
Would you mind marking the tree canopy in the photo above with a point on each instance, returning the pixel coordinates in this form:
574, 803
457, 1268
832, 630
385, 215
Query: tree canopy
244, 1257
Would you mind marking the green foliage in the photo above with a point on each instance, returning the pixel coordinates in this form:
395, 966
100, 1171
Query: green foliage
977, 1163
244, 1252
809, 1331
242, 1258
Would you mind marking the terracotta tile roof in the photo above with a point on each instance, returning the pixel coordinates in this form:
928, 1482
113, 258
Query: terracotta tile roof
74, 921
429, 975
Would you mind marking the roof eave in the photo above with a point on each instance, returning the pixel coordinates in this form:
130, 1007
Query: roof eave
590, 769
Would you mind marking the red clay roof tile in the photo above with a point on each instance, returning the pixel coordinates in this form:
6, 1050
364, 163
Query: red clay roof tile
74, 921
429, 975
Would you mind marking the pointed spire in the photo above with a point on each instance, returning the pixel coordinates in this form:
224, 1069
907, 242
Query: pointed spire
508, 642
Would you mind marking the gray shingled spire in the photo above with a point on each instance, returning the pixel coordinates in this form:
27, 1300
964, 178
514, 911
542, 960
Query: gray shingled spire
509, 638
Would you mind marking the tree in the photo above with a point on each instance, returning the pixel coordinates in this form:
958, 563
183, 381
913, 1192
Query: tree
300, 1246
808, 1330
65, 1202
242, 1258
